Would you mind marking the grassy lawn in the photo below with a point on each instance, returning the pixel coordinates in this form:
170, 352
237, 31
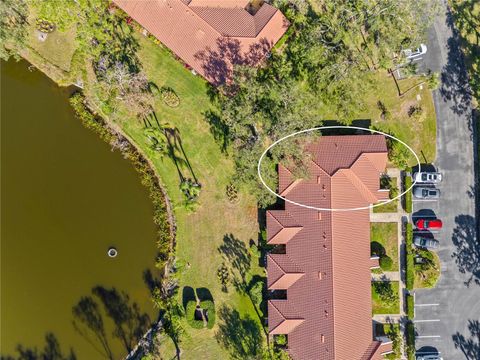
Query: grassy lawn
382, 307
217, 231
419, 133
58, 47
384, 238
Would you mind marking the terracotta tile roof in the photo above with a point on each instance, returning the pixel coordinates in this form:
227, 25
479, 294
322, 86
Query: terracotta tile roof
210, 36
332, 251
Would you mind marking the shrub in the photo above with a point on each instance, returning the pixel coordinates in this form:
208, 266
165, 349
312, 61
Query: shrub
190, 314
410, 307
408, 195
410, 263
209, 310
169, 97
280, 340
255, 251
410, 341
386, 263
256, 293
385, 291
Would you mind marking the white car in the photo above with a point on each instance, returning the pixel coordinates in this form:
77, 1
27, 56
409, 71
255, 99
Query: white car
427, 177
429, 357
411, 54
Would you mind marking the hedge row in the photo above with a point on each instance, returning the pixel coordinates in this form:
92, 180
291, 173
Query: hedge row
209, 307
410, 307
410, 265
190, 314
147, 175
408, 195
410, 341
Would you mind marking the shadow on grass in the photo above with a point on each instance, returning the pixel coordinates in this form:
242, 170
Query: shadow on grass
51, 351
240, 336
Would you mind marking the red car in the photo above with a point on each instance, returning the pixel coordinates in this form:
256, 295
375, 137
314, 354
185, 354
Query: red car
425, 224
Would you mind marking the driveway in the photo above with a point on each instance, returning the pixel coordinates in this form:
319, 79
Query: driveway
447, 317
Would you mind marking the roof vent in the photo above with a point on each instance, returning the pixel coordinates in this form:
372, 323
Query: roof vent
319, 215
323, 338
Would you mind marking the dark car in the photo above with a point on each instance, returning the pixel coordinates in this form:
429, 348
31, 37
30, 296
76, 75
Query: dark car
426, 224
424, 242
421, 192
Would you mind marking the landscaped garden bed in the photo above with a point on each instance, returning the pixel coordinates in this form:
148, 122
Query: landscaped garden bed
427, 269
392, 331
384, 243
389, 183
385, 297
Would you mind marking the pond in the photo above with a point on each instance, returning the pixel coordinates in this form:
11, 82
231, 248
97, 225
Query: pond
65, 199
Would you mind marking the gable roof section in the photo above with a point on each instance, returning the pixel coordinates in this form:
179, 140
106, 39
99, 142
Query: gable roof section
210, 36
332, 252
281, 227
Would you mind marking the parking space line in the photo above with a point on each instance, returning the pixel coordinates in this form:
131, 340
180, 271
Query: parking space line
429, 320
424, 200
426, 305
428, 353
428, 336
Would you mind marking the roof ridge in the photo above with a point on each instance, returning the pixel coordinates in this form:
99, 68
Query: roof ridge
358, 183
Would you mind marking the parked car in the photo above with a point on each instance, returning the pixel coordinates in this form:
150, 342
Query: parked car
429, 357
424, 242
427, 224
421, 192
411, 54
427, 177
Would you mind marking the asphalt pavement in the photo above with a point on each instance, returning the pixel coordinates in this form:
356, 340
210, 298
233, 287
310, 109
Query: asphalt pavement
447, 318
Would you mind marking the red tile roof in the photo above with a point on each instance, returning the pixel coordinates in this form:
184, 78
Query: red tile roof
331, 251
210, 35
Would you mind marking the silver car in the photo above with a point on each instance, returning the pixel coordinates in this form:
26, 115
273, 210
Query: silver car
421, 192
429, 357
427, 177
424, 242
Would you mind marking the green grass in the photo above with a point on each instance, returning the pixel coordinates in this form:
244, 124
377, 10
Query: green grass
391, 207
380, 306
59, 46
418, 133
199, 233
385, 234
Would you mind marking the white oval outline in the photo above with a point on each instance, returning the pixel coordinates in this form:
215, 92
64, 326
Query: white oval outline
335, 127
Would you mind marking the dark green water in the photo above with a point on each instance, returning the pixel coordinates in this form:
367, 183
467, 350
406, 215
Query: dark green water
65, 198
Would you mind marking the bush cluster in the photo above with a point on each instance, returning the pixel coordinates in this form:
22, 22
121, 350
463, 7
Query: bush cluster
410, 307
209, 308
170, 97
190, 314
386, 263
410, 341
408, 195
147, 175
410, 264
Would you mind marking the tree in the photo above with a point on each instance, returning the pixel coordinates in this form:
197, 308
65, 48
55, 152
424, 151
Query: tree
13, 27
256, 293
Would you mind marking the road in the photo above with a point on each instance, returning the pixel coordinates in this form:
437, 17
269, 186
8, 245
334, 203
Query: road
447, 317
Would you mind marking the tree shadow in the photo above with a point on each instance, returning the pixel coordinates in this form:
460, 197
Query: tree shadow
236, 253
470, 346
218, 62
377, 249
240, 336
130, 324
467, 253
151, 281
204, 294
51, 351
188, 294
218, 128
455, 86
